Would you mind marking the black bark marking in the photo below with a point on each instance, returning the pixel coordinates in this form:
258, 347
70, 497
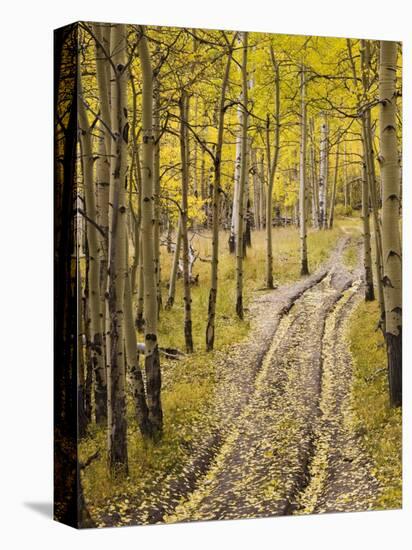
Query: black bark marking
387, 282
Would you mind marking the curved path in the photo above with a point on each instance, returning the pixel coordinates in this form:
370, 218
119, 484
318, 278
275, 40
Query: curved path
291, 449
279, 437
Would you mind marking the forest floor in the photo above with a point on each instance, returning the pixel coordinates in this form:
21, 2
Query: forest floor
291, 449
277, 432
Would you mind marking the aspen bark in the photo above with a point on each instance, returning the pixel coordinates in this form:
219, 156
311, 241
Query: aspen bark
140, 292
242, 183
103, 185
345, 179
184, 111
236, 180
315, 191
195, 151
304, 269
323, 175
391, 243
370, 166
102, 51
96, 325
103, 76
136, 243
175, 265
156, 179
362, 100
136, 175
334, 187
313, 176
82, 417
103, 70
371, 177
85, 323
210, 328
117, 425
256, 190
367, 255
132, 360
262, 201
152, 362
247, 217
272, 167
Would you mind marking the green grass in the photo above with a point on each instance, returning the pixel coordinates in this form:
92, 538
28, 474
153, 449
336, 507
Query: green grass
379, 425
188, 385
351, 255
229, 329
184, 408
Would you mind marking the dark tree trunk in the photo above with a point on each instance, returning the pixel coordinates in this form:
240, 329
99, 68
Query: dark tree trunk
394, 352
65, 280
153, 389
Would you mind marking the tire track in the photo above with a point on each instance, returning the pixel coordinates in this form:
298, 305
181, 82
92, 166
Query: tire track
266, 464
274, 420
236, 372
339, 475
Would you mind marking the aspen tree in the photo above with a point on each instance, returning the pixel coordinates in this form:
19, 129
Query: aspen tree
304, 269
334, 187
242, 182
152, 362
362, 99
247, 213
117, 425
256, 189
103, 68
345, 178
140, 291
262, 201
85, 329
132, 359
174, 268
369, 165
135, 177
391, 243
156, 179
314, 174
96, 325
370, 170
272, 163
236, 182
184, 111
210, 328
314, 183
323, 175
371, 181
83, 419
367, 254
195, 150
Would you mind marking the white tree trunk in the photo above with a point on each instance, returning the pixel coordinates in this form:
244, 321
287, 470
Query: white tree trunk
391, 243
152, 363
304, 269
242, 182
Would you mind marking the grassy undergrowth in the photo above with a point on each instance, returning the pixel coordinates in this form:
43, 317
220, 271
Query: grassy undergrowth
188, 385
351, 255
185, 413
229, 329
379, 425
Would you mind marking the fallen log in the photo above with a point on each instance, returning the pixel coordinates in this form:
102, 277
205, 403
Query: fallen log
169, 353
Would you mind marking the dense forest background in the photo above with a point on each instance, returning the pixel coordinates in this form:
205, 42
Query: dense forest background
214, 168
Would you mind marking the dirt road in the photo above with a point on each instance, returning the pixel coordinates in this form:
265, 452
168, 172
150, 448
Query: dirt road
279, 437
289, 447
